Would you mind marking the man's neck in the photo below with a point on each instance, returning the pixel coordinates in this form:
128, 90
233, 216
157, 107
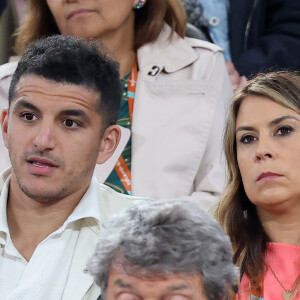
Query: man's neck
31, 221
282, 228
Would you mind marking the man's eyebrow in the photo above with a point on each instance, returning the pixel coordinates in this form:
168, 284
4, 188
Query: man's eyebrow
25, 104
75, 113
178, 287
278, 120
119, 282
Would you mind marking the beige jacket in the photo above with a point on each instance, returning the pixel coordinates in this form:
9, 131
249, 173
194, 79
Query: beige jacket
80, 284
178, 120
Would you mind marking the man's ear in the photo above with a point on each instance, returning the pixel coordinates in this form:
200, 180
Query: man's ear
109, 143
4, 125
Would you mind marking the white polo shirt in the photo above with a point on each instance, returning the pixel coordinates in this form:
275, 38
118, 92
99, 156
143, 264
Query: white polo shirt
44, 276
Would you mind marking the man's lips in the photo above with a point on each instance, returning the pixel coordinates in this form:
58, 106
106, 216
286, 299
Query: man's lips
79, 12
41, 166
267, 176
41, 162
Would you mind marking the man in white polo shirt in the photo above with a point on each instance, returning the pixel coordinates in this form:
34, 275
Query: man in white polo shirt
63, 103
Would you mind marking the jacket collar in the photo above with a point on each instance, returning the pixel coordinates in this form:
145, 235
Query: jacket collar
3, 176
79, 281
165, 51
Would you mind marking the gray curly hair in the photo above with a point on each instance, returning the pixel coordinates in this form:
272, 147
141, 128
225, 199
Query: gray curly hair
167, 237
195, 13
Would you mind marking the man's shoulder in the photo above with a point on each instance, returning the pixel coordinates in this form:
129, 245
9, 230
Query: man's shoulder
112, 202
8, 69
111, 195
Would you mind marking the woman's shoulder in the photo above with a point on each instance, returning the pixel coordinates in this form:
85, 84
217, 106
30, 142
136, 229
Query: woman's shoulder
205, 45
282, 248
280, 252
172, 53
169, 41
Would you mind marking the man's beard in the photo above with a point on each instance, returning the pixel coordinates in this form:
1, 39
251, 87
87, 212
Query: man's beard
43, 197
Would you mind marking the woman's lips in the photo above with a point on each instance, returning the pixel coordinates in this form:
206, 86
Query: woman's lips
267, 176
79, 13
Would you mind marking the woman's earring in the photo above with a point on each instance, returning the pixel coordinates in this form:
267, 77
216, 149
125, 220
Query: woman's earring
245, 214
140, 4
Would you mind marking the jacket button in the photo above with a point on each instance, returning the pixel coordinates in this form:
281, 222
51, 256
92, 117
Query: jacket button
214, 21
155, 70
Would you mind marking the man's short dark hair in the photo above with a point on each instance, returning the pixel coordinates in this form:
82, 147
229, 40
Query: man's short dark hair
71, 60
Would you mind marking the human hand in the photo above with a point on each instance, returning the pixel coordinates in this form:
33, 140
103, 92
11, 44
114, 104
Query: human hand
236, 80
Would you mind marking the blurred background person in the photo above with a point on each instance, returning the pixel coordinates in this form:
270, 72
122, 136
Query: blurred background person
211, 18
257, 36
264, 35
2, 6
260, 210
12, 13
164, 250
174, 92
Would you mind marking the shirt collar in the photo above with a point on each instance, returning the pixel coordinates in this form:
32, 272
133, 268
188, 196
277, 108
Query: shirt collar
88, 207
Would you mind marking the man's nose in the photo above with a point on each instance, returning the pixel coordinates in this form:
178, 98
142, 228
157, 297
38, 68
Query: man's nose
45, 138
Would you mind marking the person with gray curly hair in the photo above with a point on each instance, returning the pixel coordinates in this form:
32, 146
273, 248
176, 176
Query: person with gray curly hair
170, 250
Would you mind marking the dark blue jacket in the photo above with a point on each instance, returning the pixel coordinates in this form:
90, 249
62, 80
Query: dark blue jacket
2, 6
264, 35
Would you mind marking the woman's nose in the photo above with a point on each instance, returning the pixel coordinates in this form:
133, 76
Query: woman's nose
264, 149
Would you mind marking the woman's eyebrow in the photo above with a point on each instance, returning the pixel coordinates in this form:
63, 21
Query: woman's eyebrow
245, 128
272, 123
280, 119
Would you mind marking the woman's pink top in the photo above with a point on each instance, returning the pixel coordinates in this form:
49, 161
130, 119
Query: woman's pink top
284, 259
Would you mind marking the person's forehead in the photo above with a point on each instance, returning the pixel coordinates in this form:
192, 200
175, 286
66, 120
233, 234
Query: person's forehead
39, 88
167, 281
255, 107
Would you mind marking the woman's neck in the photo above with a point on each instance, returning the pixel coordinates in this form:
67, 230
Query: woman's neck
121, 46
126, 59
281, 228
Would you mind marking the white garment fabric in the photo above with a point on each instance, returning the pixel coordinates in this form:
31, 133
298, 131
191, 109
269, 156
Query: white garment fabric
44, 276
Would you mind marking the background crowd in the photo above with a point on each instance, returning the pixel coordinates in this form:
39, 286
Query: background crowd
206, 86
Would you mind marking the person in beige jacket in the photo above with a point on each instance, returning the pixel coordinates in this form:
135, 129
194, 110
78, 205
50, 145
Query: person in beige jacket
181, 93
63, 105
